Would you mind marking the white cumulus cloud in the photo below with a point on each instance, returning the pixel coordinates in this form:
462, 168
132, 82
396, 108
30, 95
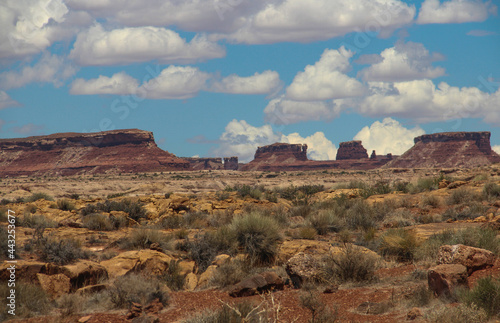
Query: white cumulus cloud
454, 11
175, 82
312, 20
119, 83
283, 111
496, 149
318, 146
49, 69
97, 46
242, 139
403, 62
259, 83
326, 79
388, 136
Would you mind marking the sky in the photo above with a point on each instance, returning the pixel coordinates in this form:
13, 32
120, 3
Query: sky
216, 78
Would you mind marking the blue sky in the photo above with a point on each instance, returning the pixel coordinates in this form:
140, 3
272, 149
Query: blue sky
221, 77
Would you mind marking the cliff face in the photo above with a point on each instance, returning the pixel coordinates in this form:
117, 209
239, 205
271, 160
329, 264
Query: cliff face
351, 150
130, 150
231, 163
448, 149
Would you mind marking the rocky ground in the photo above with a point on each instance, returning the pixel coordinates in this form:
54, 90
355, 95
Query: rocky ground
355, 246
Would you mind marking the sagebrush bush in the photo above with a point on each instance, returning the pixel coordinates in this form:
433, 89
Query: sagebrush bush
35, 221
143, 238
360, 216
204, 248
465, 211
325, 221
98, 222
31, 300
137, 288
308, 233
230, 273
65, 205
135, 209
62, 251
461, 313
424, 184
38, 196
431, 200
399, 243
351, 264
491, 190
463, 195
485, 294
173, 277
258, 236
484, 238
236, 313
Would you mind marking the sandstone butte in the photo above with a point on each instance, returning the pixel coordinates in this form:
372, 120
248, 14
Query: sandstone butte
130, 150
133, 150
448, 150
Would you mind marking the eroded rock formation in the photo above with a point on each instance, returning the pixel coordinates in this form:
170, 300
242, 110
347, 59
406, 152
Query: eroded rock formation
130, 150
198, 163
448, 149
231, 163
351, 150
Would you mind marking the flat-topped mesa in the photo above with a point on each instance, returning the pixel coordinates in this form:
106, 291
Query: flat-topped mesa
129, 150
282, 152
231, 163
351, 150
204, 163
448, 150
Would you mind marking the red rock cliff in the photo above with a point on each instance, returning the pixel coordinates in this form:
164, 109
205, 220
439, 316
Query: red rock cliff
130, 150
448, 149
351, 150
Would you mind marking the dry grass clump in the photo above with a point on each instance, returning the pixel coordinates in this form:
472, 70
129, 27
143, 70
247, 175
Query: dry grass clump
399, 243
352, 264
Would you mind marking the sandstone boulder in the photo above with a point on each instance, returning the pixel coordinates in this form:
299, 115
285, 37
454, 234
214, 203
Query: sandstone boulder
148, 261
303, 267
190, 282
54, 285
255, 284
442, 279
91, 289
85, 272
25, 270
207, 276
221, 260
470, 257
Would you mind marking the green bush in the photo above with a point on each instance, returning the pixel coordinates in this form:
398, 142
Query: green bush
258, 236
485, 295
38, 196
424, 185
138, 289
352, 264
399, 243
65, 205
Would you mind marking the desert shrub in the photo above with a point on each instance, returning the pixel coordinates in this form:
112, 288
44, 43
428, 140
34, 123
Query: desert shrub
65, 205
38, 196
258, 236
485, 295
271, 197
464, 211
98, 222
171, 222
463, 195
421, 295
195, 220
135, 210
143, 238
31, 300
491, 190
237, 313
70, 304
325, 221
431, 200
461, 313
308, 233
230, 273
424, 184
401, 186
173, 277
360, 216
398, 218
381, 187
300, 210
138, 289
114, 195
4, 249
299, 195
204, 248
351, 264
484, 238
62, 251
6, 201
310, 299
35, 221
399, 243
222, 195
